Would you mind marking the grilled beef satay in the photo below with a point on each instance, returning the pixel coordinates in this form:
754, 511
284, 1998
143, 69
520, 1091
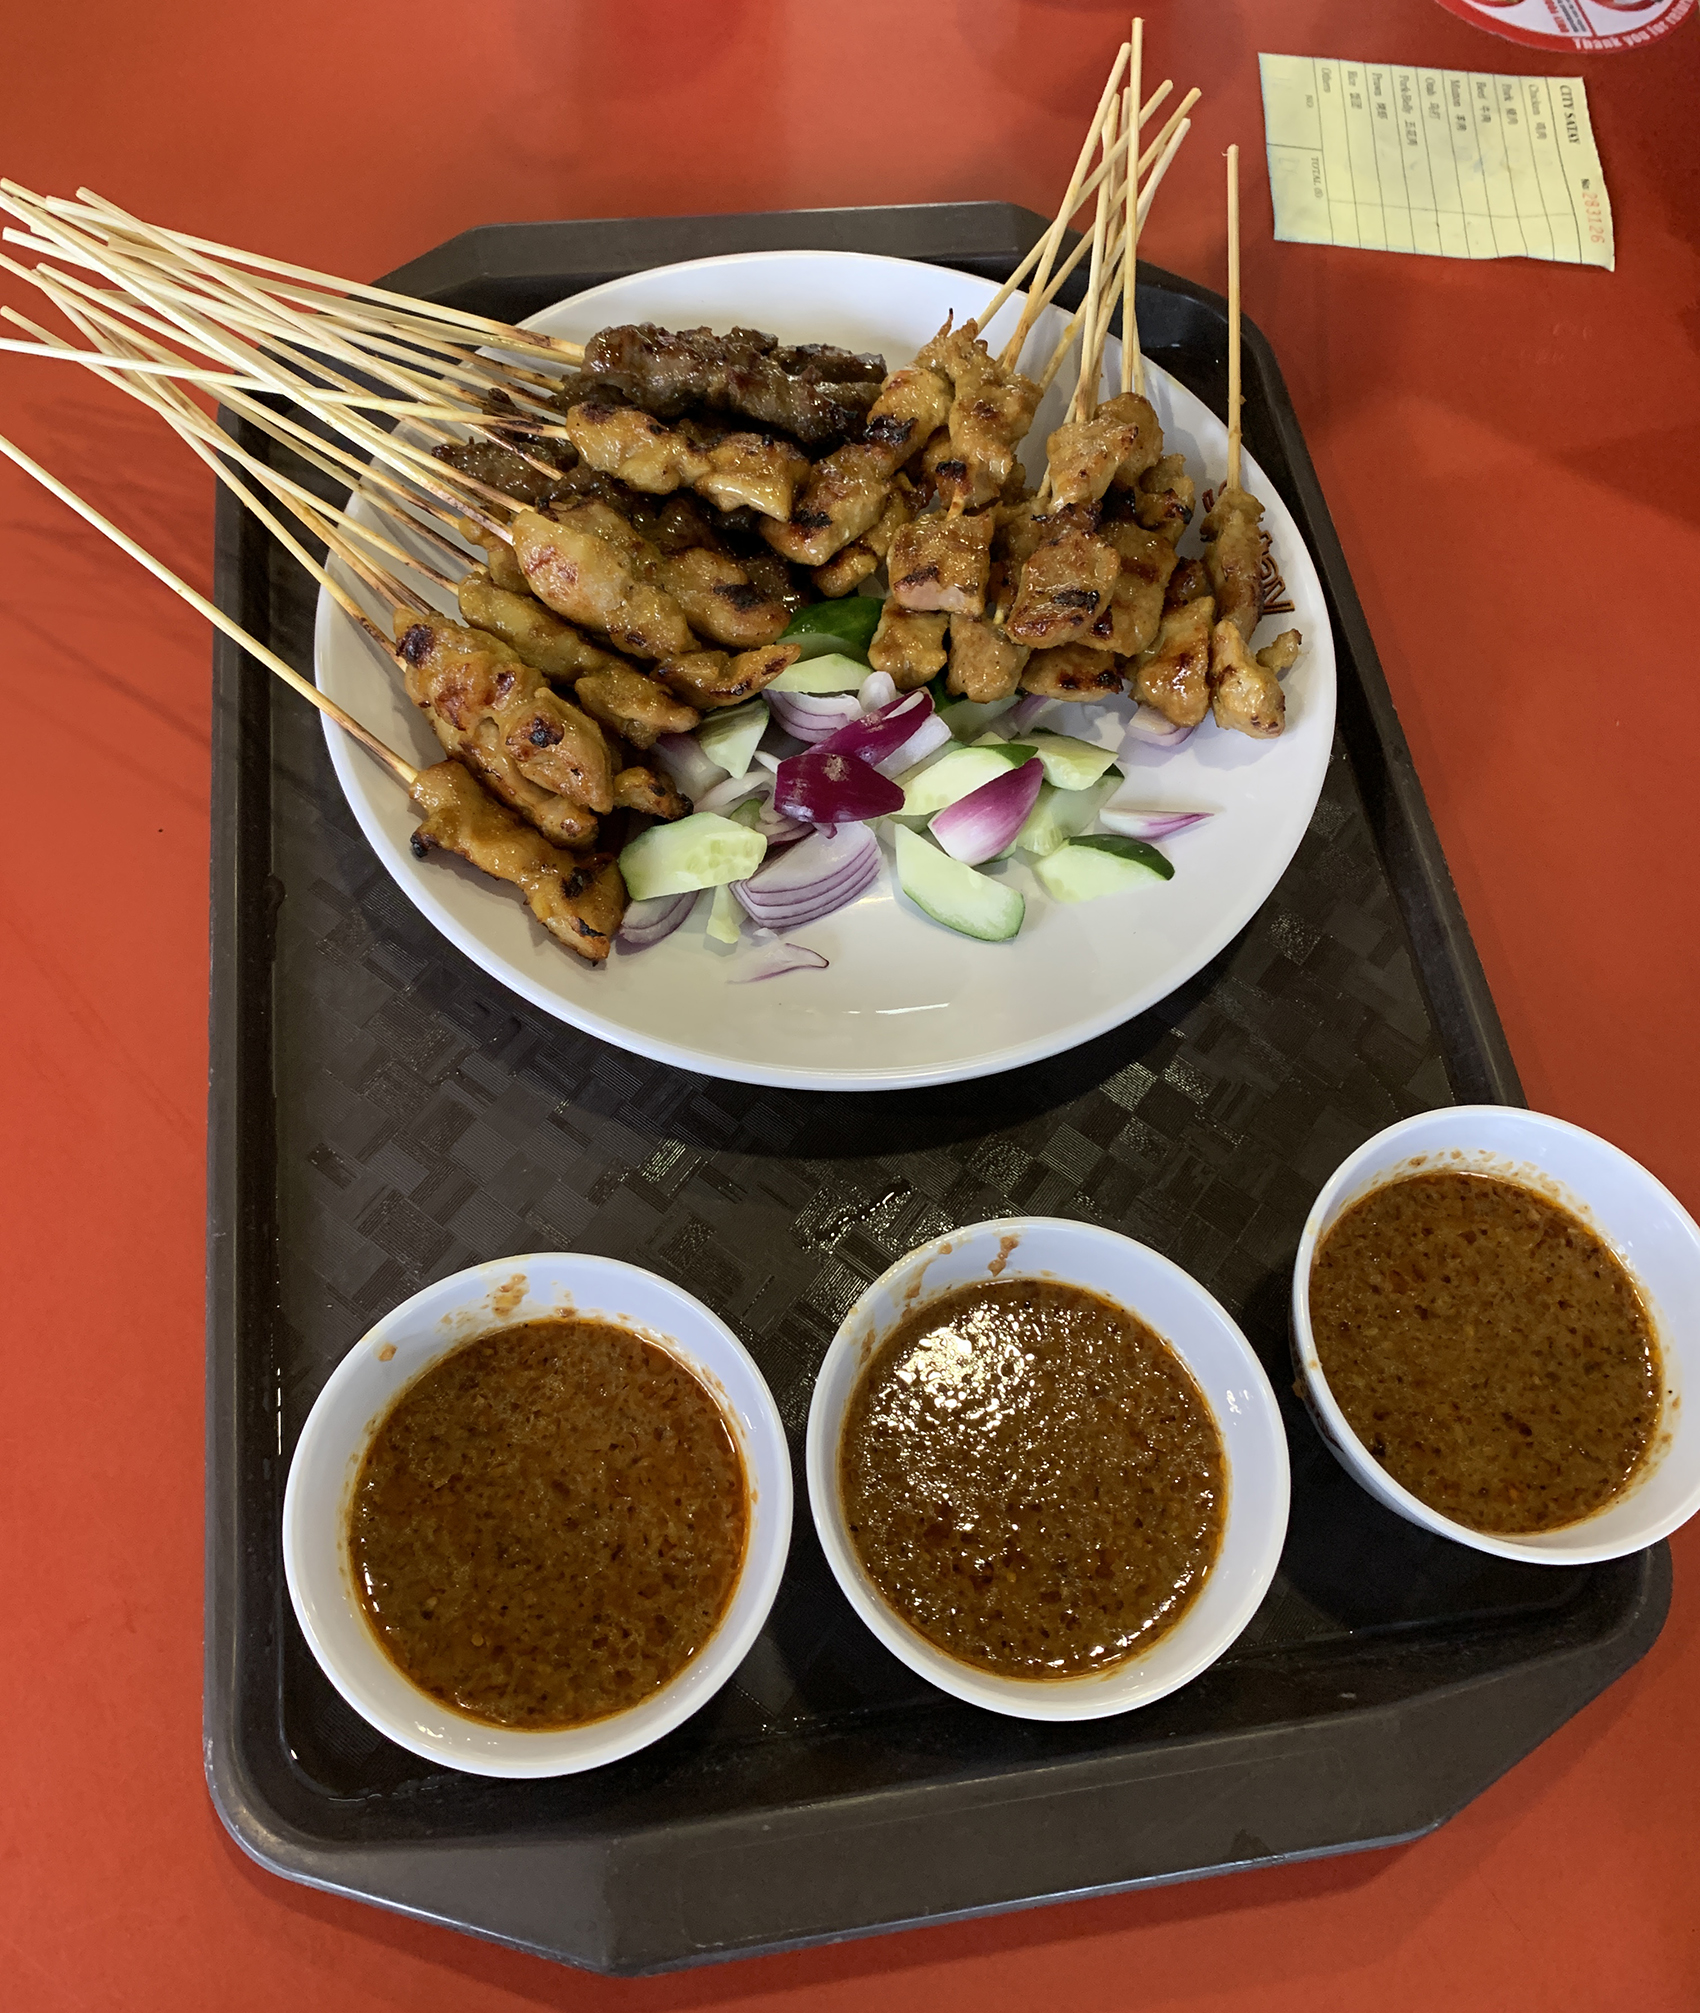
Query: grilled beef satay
846, 495
907, 646
815, 393
535, 750
507, 471
1233, 557
590, 565
709, 679
578, 899
941, 561
534, 632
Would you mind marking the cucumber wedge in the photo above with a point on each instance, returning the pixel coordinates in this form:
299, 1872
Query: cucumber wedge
955, 773
1069, 764
701, 851
831, 671
729, 737
1084, 869
846, 625
965, 901
967, 719
724, 916
1061, 815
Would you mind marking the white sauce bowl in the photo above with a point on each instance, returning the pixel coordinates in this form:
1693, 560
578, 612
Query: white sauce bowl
354, 1402
1640, 1220
1223, 1367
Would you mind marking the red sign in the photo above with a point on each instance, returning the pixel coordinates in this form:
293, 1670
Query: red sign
1574, 24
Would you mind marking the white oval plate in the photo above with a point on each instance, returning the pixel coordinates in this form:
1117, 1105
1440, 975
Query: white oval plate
904, 1000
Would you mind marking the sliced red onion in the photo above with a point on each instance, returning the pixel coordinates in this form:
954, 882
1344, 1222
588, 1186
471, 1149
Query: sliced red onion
646, 923
979, 826
728, 795
932, 734
779, 830
813, 716
1026, 710
773, 961
826, 786
811, 880
874, 735
879, 689
683, 759
1149, 726
1136, 822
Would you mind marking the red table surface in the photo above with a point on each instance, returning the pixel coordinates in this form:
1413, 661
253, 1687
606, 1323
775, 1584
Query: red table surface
1508, 450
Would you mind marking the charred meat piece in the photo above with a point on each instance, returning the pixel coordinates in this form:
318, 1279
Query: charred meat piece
800, 391
1166, 496
1065, 586
747, 471
579, 901
939, 561
1085, 456
502, 469
710, 678
845, 573
499, 558
1072, 672
1188, 581
984, 663
640, 709
1281, 655
584, 569
1174, 675
1244, 693
846, 495
637, 788
1129, 624
720, 601
529, 629
908, 647
1233, 557
620, 440
990, 412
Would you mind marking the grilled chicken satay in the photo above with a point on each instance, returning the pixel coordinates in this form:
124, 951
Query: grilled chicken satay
708, 679
1072, 671
846, 495
814, 392
1244, 692
1121, 441
639, 788
529, 629
1174, 674
860, 560
907, 646
1066, 585
733, 470
537, 752
1233, 557
588, 564
1129, 625
579, 900
638, 707
499, 561
984, 663
991, 409
1166, 496
941, 562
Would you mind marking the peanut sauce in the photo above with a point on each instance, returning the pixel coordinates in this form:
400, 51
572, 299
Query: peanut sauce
1032, 1479
1488, 1349
549, 1524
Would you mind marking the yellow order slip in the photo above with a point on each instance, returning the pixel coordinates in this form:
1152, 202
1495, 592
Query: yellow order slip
1457, 164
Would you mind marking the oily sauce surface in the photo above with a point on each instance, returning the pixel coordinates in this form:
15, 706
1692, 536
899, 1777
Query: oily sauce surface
549, 1524
1488, 1349
1032, 1479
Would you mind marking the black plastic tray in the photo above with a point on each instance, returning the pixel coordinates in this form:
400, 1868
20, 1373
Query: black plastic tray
382, 1113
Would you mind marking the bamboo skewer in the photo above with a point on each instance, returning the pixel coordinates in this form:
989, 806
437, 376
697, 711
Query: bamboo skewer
1133, 367
1070, 203
1234, 394
214, 614
1085, 401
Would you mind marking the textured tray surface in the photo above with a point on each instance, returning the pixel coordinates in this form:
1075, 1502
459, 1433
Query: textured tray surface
387, 1114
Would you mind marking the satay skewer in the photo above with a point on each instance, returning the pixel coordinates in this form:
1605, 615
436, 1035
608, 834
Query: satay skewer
1085, 399
397, 764
1234, 395
1133, 365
